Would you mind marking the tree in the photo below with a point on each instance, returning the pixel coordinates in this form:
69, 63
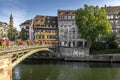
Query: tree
92, 22
119, 14
11, 33
111, 41
23, 34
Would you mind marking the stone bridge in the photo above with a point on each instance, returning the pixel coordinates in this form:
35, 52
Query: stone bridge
12, 56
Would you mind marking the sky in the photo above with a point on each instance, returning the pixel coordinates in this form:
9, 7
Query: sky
27, 9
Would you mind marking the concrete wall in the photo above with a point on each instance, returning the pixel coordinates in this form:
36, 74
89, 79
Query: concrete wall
74, 52
5, 68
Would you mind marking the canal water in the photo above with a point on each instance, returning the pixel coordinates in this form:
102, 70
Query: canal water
60, 70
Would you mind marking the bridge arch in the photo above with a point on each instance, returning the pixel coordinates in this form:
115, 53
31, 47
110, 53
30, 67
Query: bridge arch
29, 53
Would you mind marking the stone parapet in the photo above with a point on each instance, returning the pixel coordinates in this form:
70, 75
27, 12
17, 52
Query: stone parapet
5, 68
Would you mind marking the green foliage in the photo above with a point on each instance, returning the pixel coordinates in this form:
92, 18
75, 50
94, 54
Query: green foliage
107, 42
4, 36
110, 37
0, 43
99, 45
29, 42
119, 14
36, 41
113, 44
92, 22
3, 43
23, 34
106, 51
19, 42
110, 40
11, 33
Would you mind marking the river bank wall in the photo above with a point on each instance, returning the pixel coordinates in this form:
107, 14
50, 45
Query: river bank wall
79, 54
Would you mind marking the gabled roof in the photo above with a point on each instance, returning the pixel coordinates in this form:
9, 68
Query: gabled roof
26, 23
45, 20
3, 24
112, 9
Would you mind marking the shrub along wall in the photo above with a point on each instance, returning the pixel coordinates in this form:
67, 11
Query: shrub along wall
99, 46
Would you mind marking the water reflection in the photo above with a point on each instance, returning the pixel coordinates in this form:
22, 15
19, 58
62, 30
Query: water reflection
17, 73
67, 71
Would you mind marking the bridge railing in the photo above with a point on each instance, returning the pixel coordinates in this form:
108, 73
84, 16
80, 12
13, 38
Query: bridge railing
4, 50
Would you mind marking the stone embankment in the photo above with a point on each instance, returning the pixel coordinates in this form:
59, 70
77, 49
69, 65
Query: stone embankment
74, 52
82, 54
95, 58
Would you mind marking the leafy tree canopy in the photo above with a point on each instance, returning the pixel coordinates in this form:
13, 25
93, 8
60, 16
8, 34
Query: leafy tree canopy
23, 34
92, 22
11, 33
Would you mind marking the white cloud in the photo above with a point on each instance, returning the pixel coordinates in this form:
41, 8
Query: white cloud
18, 16
113, 2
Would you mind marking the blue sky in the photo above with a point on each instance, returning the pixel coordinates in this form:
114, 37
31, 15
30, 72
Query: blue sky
27, 9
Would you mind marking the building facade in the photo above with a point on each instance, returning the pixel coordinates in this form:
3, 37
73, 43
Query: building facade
68, 31
46, 29
28, 25
3, 30
112, 15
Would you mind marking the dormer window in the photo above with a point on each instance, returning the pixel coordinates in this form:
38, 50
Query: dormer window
48, 17
42, 20
37, 20
53, 21
48, 21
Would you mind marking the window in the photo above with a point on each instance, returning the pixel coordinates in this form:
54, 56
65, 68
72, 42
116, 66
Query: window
73, 17
111, 21
53, 21
65, 17
66, 22
116, 17
48, 25
60, 23
48, 17
60, 17
111, 16
41, 20
73, 30
118, 24
69, 17
37, 20
48, 36
73, 23
53, 26
61, 30
27, 27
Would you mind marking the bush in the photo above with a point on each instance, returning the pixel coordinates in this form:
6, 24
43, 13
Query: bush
36, 41
4, 43
112, 45
106, 51
0, 43
99, 46
19, 42
29, 42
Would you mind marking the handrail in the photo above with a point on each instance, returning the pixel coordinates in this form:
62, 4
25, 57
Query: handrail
4, 50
